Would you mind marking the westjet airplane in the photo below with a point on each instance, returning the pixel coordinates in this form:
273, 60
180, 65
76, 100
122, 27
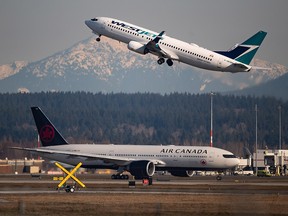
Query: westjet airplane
144, 41
140, 160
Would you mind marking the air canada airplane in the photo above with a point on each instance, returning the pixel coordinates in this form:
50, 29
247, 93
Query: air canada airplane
144, 41
140, 160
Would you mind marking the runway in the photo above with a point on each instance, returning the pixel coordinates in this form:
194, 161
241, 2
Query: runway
161, 184
234, 195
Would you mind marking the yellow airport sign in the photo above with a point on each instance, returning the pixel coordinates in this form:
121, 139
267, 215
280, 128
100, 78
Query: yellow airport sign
70, 175
56, 178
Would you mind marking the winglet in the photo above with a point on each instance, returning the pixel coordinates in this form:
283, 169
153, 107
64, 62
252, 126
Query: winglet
159, 36
48, 133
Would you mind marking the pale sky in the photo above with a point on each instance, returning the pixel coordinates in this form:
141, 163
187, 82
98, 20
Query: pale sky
34, 29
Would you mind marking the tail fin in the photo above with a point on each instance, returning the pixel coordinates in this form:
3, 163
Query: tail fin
245, 51
48, 133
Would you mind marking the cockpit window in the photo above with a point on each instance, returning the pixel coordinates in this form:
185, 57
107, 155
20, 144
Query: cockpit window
94, 19
229, 156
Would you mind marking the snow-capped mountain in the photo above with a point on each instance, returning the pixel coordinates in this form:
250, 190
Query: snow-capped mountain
108, 66
275, 88
11, 69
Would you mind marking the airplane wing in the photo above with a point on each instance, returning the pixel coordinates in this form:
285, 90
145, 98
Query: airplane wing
121, 161
154, 47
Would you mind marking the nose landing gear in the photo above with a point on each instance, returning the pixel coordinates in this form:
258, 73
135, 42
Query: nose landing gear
98, 38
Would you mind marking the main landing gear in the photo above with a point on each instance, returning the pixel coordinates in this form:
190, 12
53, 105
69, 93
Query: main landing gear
162, 60
119, 176
219, 178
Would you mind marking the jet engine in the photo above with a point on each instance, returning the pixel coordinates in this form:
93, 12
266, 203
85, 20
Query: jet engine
182, 173
137, 47
142, 169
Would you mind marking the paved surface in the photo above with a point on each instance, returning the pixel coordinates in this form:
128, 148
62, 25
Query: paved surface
234, 195
161, 184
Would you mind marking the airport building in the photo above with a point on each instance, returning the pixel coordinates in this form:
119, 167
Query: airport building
20, 166
275, 161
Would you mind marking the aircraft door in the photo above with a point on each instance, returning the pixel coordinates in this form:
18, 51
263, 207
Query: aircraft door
219, 63
211, 157
175, 158
111, 153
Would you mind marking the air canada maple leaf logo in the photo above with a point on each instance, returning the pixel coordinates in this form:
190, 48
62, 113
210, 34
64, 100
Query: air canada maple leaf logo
203, 162
47, 133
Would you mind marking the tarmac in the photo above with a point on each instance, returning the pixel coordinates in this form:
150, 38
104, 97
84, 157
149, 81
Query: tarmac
168, 195
168, 184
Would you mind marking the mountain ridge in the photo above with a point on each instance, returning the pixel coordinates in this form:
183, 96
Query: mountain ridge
277, 88
108, 66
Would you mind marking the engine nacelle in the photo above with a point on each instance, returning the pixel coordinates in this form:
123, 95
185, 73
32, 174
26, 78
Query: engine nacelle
142, 169
182, 173
137, 47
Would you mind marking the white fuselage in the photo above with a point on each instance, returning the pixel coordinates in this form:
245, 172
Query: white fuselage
165, 157
177, 50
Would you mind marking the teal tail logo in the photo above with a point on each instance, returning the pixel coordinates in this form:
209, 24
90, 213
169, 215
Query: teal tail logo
245, 51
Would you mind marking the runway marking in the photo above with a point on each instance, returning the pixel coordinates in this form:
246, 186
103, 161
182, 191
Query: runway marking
70, 175
143, 192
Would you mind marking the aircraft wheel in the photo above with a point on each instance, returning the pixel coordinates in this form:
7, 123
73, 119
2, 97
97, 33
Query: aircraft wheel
98, 39
219, 178
169, 62
160, 61
68, 188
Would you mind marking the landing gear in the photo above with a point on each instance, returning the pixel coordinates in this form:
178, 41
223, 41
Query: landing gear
120, 176
98, 38
219, 178
169, 62
160, 61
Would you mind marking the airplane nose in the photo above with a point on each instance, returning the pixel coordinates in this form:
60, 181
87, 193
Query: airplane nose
88, 23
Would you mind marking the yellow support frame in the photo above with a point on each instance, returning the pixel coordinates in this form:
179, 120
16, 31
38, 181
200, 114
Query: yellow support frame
70, 174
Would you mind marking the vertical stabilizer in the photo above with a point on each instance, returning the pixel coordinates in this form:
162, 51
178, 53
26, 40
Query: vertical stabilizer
48, 133
245, 51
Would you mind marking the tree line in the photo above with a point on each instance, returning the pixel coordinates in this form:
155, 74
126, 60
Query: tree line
145, 118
